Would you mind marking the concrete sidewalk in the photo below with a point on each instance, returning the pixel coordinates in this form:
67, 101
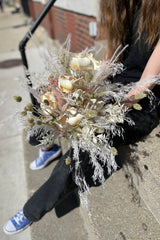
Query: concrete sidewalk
13, 187
119, 211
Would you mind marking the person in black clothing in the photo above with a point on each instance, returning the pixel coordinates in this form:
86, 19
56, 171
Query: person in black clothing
129, 23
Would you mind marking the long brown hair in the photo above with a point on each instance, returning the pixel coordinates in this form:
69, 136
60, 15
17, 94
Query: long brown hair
116, 17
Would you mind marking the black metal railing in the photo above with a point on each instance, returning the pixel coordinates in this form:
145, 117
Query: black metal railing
27, 37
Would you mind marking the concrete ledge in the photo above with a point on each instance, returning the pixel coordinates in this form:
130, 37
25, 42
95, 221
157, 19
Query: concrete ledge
120, 209
143, 170
123, 209
119, 213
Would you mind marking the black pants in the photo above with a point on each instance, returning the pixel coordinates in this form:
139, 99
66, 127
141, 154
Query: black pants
61, 181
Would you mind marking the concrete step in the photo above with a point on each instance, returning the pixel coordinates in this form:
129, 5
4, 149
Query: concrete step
118, 212
143, 169
118, 208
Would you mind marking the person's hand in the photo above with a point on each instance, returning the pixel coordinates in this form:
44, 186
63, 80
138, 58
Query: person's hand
131, 97
128, 102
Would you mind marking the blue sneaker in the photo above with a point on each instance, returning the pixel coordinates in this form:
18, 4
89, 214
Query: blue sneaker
45, 157
16, 224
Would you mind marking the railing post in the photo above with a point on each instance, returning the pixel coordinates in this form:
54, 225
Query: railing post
26, 38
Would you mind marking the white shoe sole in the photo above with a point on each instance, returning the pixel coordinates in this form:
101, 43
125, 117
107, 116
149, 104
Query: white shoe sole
57, 154
16, 232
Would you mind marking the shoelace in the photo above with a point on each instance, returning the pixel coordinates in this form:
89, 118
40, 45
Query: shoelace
19, 217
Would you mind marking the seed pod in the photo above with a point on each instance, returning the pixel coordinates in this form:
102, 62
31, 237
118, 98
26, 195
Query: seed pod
74, 136
87, 77
68, 160
46, 102
24, 113
29, 107
114, 151
137, 106
78, 129
99, 130
92, 113
43, 117
31, 124
39, 122
51, 122
140, 95
88, 95
18, 98
30, 120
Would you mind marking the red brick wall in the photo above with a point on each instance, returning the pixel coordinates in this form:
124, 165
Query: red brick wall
59, 23
31, 9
